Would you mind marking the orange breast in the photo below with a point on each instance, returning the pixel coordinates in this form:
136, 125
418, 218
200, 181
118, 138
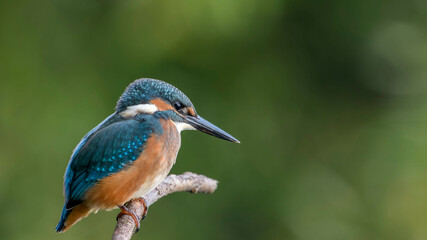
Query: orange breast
145, 173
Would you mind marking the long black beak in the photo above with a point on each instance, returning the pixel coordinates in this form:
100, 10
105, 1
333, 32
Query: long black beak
203, 125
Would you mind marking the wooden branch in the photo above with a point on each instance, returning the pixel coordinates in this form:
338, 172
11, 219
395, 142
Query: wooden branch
187, 182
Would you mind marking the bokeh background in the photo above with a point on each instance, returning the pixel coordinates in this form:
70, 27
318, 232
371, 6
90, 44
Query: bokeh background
329, 100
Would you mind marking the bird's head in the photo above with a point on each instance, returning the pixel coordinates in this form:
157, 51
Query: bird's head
151, 96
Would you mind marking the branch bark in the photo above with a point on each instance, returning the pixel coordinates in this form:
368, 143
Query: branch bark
187, 182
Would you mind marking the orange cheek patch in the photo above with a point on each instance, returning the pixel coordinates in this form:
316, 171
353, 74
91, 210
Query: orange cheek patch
161, 104
191, 112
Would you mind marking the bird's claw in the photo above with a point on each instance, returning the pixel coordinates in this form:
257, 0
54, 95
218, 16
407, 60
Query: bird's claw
144, 204
126, 211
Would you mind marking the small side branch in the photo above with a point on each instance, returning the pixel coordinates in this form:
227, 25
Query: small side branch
187, 182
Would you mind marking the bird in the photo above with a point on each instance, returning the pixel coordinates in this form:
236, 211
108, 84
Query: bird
130, 152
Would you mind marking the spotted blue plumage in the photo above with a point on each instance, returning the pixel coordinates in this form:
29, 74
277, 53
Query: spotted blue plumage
107, 149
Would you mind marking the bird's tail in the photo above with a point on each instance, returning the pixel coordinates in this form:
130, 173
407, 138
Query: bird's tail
69, 217
64, 215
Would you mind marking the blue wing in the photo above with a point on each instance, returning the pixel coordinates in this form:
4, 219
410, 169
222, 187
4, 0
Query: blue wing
108, 148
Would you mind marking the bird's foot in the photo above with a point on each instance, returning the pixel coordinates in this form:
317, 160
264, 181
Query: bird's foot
125, 210
144, 203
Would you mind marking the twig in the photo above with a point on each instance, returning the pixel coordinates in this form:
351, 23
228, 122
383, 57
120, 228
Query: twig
187, 182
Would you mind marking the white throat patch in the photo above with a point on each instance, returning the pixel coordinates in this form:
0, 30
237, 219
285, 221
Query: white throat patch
131, 111
181, 126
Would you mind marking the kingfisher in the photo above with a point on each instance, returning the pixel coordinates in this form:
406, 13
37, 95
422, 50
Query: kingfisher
129, 153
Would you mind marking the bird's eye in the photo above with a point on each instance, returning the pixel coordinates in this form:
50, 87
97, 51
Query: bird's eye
178, 106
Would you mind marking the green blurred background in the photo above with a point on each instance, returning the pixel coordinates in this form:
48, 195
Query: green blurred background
329, 100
